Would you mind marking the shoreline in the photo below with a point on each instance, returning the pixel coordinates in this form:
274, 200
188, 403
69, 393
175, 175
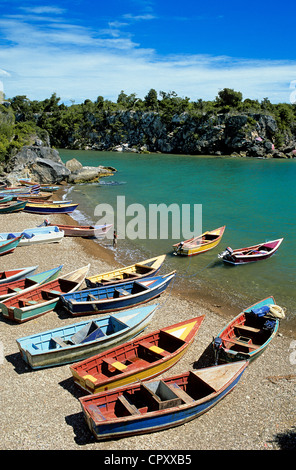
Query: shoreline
211, 302
42, 411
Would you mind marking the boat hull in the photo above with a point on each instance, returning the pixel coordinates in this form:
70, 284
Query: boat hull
138, 320
78, 308
35, 236
130, 425
23, 285
15, 274
10, 207
8, 246
34, 304
142, 270
50, 209
252, 254
85, 231
248, 342
139, 359
189, 249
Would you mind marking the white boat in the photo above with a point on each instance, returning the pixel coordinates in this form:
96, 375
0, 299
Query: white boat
36, 235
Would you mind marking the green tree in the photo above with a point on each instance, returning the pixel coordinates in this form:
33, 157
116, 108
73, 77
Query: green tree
229, 97
151, 101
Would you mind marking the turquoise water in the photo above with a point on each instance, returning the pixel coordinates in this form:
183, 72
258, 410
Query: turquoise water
254, 198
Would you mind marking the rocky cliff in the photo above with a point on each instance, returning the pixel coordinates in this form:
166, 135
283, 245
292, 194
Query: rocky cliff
253, 135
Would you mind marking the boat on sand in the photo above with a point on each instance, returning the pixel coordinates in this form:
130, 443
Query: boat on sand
138, 359
154, 405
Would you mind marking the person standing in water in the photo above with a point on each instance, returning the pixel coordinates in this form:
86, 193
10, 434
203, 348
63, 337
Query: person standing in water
114, 239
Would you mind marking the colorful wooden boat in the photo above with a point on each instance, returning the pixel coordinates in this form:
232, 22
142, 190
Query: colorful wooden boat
42, 299
35, 197
205, 242
45, 208
20, 286
249, 333
17, 273
250, 254
155, 405
72, 343
12, 206
42, 201
141, 270
113, 298
5, 199
86, 231
36, 235
139, 359
43, 186
8, 246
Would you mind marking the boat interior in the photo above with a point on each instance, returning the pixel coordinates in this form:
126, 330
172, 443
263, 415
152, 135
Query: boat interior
133, 273
152, 396
111, 293
74, 336
134, 356
45, 294
247, 334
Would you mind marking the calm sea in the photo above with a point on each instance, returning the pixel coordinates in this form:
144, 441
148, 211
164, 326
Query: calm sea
254, 198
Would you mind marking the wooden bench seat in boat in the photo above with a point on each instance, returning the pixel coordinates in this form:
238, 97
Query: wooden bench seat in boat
241, 343
154, 348
110, 361
181, 393
121, 291
59, 341
14, 289
248, 328
132, 409
27, 302
52, 293
92, 297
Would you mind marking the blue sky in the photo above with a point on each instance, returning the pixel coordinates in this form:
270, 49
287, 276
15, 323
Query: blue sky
84, 49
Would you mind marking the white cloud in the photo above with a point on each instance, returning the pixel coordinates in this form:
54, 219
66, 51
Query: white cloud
77, 62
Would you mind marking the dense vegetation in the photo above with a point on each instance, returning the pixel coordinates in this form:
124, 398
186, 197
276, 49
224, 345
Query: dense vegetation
22, 120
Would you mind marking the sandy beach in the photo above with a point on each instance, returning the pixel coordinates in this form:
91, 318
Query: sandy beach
41, 411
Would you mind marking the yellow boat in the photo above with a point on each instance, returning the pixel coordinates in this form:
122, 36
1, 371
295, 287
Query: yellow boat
141, 270
138, 359
200, 244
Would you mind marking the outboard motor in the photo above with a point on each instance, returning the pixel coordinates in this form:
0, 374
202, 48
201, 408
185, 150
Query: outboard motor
217, 346
227, 251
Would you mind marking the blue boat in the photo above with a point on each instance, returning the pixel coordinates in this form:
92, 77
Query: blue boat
112, 298
8, 246
248, 335
49, 208
81, 340
22, 285
155, 405
35, 235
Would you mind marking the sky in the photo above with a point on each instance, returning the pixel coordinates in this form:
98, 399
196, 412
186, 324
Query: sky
83, 49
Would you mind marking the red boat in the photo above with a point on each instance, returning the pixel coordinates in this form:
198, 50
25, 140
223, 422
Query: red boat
250, 253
